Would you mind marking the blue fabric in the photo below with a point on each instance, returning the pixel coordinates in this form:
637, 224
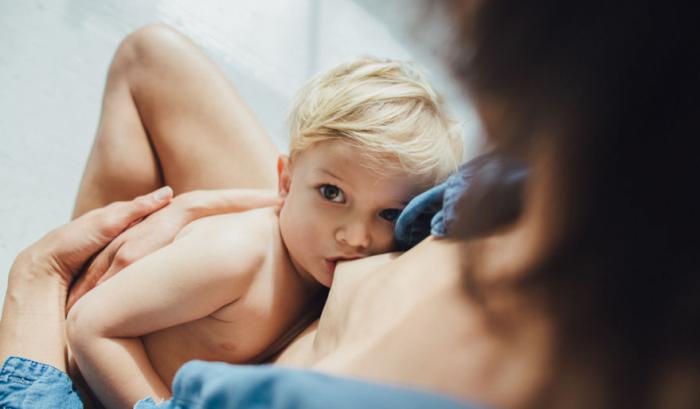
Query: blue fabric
26, 384
433, 211
201, 384
414, 222
207, 385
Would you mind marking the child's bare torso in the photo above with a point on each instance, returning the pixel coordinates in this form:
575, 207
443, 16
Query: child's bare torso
247, 329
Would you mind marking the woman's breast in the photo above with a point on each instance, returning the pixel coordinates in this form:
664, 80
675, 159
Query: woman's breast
299, 353
335, 327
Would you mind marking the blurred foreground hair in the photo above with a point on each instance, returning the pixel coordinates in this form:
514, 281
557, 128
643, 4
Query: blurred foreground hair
610, 89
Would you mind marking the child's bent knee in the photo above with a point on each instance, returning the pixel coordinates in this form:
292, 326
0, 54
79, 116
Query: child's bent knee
148, 47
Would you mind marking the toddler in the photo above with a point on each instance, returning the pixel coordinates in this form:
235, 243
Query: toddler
365, 138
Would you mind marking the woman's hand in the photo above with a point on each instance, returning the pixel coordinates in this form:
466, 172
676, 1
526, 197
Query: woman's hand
65, 250
160, 228
32, 322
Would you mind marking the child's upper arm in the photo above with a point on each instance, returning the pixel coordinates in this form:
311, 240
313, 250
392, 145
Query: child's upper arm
184, 281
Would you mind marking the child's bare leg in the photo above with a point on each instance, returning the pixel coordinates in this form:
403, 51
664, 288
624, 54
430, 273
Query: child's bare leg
169, 116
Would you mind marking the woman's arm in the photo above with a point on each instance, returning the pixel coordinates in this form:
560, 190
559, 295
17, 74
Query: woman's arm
32, 324
184, 281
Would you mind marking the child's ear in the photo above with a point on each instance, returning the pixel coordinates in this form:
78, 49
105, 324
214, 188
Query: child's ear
284, 176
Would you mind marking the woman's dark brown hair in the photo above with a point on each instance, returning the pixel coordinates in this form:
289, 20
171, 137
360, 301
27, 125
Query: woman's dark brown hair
612, 89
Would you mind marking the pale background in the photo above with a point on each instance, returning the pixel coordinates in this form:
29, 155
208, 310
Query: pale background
54, 56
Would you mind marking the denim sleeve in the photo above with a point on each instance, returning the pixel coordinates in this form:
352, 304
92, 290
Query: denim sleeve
489, 185
27, 384
208, 385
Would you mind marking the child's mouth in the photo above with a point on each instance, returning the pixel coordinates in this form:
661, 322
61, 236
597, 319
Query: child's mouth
330, 265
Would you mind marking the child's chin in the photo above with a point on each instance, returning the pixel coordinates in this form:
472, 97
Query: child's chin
327, 278
326, 282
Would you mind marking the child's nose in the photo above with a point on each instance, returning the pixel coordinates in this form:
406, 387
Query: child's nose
356, 235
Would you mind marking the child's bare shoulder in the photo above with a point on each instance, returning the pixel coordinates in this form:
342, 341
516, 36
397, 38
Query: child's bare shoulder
243, 238
255, 223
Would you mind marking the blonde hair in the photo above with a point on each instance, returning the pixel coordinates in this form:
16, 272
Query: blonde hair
387, 110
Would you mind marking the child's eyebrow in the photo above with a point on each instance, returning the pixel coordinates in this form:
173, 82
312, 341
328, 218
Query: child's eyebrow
403, 203
329, 173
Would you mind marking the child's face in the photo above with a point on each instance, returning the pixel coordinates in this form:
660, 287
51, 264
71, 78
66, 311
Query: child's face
338, 209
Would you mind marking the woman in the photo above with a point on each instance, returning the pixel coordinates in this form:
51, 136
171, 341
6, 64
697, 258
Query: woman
589, 299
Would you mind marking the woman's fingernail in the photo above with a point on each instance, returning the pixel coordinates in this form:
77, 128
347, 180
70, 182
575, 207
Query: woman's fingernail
163, 193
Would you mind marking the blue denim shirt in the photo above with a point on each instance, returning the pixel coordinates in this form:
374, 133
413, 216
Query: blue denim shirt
28, 384
433, 212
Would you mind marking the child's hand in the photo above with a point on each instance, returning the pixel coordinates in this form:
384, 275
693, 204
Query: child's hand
160, 228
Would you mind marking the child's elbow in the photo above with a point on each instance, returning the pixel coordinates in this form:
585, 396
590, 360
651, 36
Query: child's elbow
78, 329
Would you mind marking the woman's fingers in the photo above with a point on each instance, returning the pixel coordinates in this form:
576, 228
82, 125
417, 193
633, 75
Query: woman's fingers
112, 270
125, 254
92, 275
71, 245
109, 221
77, 290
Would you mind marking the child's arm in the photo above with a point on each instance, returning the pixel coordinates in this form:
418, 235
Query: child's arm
184, 281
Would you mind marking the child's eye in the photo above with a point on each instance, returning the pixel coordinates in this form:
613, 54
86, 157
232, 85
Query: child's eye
332, 193
390, 214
